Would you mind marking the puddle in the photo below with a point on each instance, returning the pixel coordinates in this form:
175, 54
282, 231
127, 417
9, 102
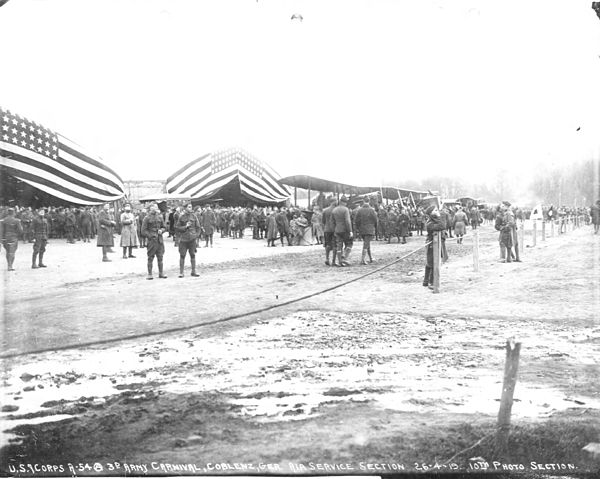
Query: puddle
288, 368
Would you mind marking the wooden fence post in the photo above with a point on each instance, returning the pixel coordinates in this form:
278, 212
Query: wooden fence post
508, 388
476, 250
437, 249
534, 232
552, 228
543, 230
522, 236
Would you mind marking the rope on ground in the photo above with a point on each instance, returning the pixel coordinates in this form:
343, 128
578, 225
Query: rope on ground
468, 448
209, 323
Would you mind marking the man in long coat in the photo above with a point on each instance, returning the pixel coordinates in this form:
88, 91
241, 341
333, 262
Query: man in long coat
283, 226
105, 232
208, 222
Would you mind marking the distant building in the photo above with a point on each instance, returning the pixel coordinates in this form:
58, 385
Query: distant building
136, 189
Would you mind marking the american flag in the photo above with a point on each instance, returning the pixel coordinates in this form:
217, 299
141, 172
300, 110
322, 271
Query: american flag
204, 177
52, 163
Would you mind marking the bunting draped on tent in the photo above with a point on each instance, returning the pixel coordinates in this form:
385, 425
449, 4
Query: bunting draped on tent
54, 164
232, 173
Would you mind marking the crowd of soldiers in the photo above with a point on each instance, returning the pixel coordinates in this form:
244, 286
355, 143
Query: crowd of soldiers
188, 227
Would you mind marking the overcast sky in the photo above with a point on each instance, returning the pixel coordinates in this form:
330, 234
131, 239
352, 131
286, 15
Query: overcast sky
362, 91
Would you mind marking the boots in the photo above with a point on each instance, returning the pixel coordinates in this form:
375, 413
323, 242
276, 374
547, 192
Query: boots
104, 254
193, 260
370, 257
124, 252
40, 263
181, 265
33, 261
364, 254
160, 269
131, 252
10, 258
327, 252
333, 259
149, 269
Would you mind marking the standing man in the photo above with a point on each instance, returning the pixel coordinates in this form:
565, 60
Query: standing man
506, 231
343, 231
283, 226
366, 225
208, 222
86, 225
10, 231
153, 229
105, 232
188, 230
328, 233
434, 223
40, 228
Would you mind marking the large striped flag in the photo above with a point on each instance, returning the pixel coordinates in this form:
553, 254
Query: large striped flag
49, 161
204, 177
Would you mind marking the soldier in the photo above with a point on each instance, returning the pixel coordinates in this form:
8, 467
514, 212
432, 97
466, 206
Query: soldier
208, 221
343, 231
403, 225
283, 226
188, 230
506, 231
153, 229
129, 239
10, 231
366, 225
40, 228
434, 223
328, 233
86, 225
70, 226
139, 222
27, 223
105, 232
317, 224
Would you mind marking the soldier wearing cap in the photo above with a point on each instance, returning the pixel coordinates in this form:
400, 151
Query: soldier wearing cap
328, 232
343, 231
105, 232
366, 226
153, 228
41, 230
188, 230
434, 223
10, 231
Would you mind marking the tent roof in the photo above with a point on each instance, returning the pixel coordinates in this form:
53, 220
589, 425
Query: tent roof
231, 175
319, 184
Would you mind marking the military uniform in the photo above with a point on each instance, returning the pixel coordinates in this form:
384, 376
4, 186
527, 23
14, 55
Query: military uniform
366, 225
343, 232
188, 230
153, 228
10, 231
41, 230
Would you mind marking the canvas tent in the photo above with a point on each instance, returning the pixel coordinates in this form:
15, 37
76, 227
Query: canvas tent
40, 166
230, 176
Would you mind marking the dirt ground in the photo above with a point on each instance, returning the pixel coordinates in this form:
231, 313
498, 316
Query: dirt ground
105, 373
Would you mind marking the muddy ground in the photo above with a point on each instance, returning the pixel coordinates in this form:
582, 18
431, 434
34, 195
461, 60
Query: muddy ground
375, 376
